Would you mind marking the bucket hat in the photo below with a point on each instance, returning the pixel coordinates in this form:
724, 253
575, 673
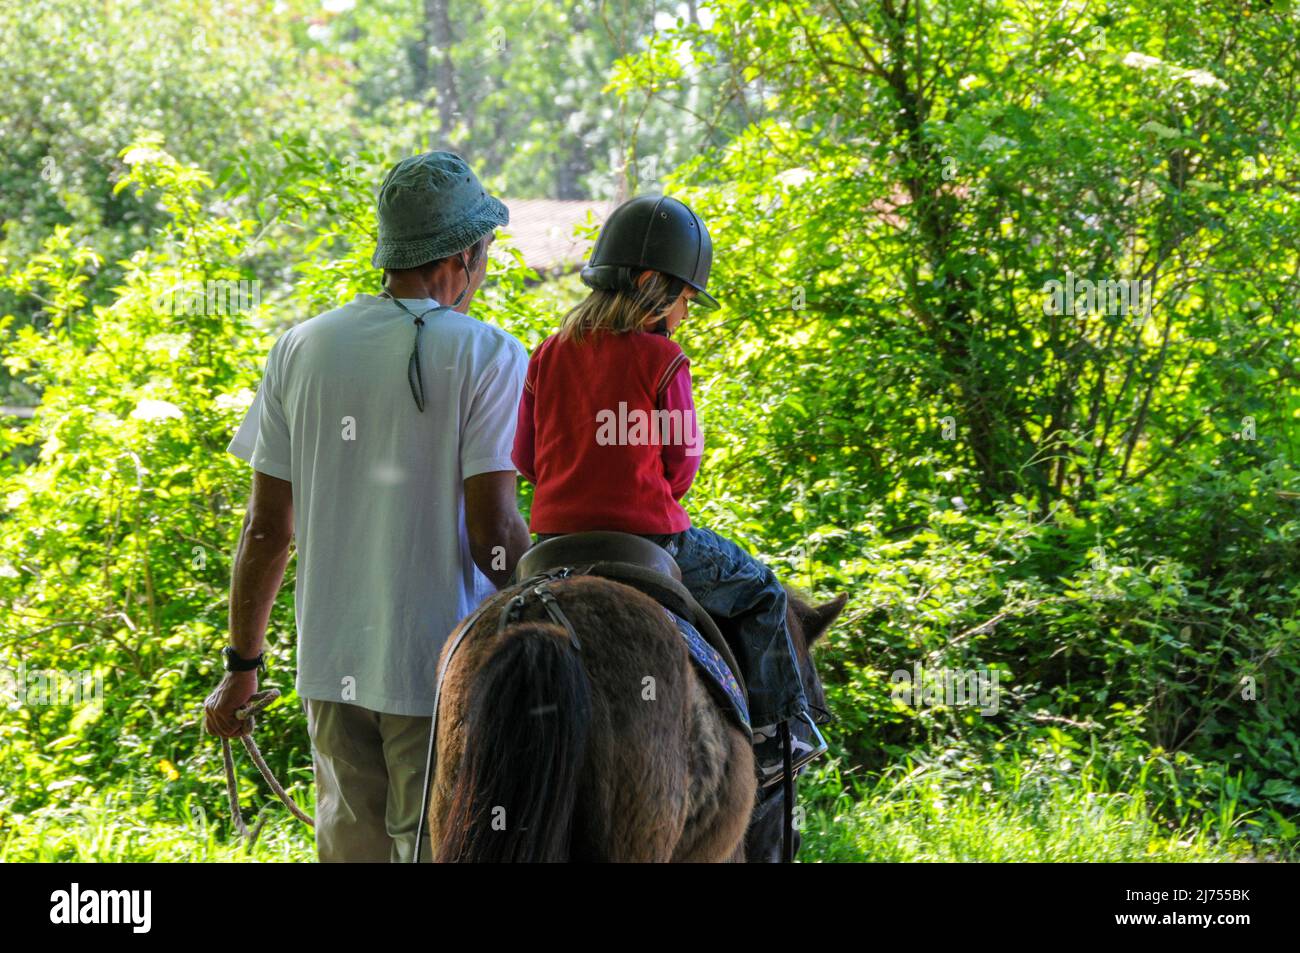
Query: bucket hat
430, 206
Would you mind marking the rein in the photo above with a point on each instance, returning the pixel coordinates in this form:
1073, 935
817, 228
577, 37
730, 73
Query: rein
255, 705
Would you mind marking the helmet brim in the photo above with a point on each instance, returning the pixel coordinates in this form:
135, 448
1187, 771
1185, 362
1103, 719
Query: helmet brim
704, 300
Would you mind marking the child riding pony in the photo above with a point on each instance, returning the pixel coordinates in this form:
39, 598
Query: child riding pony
607, 434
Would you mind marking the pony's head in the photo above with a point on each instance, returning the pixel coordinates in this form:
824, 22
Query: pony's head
807, 624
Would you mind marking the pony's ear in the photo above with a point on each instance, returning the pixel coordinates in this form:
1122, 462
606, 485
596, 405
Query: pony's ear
820, 617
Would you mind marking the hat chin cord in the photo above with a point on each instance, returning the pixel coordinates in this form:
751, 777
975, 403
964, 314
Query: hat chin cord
468, 279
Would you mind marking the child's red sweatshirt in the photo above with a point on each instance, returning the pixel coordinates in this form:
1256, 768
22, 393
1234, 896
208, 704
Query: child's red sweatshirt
607, 434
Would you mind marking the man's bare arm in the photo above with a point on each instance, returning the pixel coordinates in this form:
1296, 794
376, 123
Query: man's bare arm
260, 558
497, 533
259, 561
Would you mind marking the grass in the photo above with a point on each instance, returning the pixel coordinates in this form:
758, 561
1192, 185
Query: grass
910, 814
113, 829
915, 814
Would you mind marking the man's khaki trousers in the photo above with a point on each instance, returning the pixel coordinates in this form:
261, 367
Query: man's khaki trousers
369, 781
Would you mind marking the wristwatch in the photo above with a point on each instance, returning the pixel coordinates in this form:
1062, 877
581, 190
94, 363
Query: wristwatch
234, 663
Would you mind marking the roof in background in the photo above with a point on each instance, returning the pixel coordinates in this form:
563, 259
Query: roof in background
543, 230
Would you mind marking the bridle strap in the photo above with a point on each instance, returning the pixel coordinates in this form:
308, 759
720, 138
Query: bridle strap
420, 833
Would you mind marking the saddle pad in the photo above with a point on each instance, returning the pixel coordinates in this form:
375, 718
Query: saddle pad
716, 673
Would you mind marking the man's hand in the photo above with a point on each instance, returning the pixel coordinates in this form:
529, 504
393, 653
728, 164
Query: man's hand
228, 697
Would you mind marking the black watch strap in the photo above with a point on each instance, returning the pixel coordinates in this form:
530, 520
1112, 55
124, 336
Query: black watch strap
234, 663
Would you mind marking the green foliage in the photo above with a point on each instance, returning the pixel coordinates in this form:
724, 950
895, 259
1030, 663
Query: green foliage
1100, 511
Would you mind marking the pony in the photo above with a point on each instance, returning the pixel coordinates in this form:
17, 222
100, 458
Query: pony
600, 745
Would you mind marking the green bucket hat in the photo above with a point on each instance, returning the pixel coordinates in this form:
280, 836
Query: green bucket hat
431, 206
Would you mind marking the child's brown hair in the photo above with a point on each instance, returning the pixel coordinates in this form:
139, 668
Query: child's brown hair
621, 311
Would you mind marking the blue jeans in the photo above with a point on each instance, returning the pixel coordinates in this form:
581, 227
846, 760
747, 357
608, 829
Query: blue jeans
730, 584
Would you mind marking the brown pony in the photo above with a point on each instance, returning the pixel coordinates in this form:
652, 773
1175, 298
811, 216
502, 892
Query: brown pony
611, 751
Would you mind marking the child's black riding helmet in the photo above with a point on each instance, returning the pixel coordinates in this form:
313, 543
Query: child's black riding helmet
652, 232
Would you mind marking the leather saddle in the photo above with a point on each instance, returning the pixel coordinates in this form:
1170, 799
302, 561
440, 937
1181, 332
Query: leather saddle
577, 549
633, 561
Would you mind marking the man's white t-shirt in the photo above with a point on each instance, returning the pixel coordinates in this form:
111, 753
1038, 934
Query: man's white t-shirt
384, 567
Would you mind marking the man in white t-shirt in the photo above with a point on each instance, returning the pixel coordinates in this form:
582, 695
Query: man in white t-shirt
380, 440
